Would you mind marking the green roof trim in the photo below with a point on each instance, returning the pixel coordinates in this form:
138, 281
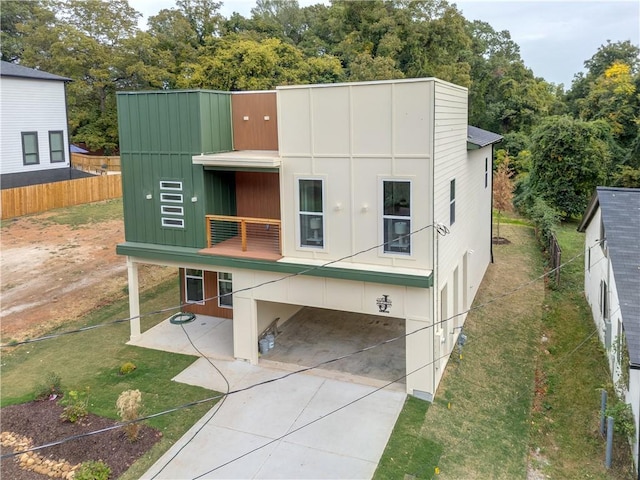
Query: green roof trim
186, 255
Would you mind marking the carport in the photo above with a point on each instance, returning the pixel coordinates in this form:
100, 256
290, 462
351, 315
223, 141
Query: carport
316, 335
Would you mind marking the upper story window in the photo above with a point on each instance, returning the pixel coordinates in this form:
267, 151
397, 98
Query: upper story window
452, 202
311, 212
56, 146
171, 215
486, 172
396, 216
30, 155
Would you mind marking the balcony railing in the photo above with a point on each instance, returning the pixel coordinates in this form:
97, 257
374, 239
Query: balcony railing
230, 235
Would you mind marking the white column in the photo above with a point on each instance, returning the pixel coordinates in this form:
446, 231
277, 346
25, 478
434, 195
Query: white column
420, 357
134, 299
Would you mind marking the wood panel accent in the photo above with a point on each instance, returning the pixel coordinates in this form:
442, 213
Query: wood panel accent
258, 194
254, 133
16, 202
211, 307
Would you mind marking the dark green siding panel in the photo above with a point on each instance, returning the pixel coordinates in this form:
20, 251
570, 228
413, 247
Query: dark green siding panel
159, 134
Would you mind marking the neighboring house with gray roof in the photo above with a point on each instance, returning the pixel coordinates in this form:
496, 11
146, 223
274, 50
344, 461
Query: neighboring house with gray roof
34, 135
612, 285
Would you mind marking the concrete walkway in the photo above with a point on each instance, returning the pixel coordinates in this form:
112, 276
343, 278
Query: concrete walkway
257, 433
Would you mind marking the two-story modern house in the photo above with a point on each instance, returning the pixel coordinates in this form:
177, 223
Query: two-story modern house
34, 127
371, 197
612, 286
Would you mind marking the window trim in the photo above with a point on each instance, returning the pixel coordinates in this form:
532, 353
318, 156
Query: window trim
166, 197
36, 153
230, 282
166, 210
386, 246
52, 151
172, 222
175, 185
452, 202
300, 213
486, 172
186, 292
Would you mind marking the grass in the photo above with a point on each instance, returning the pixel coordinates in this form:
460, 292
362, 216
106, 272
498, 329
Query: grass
572, 370
93, 359
478, 423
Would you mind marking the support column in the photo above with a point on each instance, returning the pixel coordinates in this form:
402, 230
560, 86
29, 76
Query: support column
134, 299
420, 357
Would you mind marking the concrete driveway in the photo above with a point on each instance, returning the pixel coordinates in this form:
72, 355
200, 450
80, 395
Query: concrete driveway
261, 432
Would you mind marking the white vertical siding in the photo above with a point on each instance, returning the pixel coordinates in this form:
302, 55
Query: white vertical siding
354, 136
31, 106
471, 232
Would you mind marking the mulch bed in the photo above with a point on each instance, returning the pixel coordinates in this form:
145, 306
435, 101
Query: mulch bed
40, 421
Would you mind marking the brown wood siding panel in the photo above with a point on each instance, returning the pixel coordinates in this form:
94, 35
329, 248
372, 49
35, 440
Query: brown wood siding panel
258, 195
211, 307
256, 133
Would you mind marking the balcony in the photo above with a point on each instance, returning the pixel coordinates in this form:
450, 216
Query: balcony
247, 237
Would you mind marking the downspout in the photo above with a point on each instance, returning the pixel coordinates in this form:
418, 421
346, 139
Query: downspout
66, 118
491, 210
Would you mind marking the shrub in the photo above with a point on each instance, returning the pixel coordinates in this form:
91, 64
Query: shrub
92, 470
545, 218
128, 404
127, 368
76, 405
51, 386
623, 421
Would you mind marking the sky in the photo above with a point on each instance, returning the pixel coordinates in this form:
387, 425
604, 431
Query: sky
555, 36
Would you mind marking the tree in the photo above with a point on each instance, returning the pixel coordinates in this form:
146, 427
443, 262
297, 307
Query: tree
502, 191
569, 159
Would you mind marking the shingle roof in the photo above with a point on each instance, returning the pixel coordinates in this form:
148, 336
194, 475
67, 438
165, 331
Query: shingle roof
481, 137
621, 218
8, 69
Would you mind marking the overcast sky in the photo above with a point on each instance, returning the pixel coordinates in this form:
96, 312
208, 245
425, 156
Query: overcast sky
555, 37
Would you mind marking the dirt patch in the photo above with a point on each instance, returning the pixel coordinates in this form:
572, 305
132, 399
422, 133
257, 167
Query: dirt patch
53, 273
40, 422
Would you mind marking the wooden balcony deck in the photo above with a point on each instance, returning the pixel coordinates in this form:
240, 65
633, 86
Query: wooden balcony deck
243, 237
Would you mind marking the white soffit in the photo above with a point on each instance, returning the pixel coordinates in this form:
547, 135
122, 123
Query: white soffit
240, 159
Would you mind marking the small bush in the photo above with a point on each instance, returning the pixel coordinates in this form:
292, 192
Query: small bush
52, 385
623, 421
92, 470
76, 405
128, 405
127, 368
545, 219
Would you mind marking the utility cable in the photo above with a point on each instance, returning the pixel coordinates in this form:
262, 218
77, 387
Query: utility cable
302, 370
441, 229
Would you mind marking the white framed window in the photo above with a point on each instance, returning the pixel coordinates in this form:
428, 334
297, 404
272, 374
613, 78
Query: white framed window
30, 154
486, 172
171, 197
225, 289
170, 185
604, 299
311, 212
194, 286
171, 210
396, 216
173, 222
452, 202
56, 146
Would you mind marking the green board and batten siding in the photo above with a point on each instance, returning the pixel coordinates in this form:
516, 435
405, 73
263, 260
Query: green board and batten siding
160, 132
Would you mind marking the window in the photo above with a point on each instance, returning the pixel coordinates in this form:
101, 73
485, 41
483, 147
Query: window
588, 259
225, 289
194, 286
310, 208
30, 154
604, 299
452, 202
396, 216
171, 197
486, 172
603, 238
56, 146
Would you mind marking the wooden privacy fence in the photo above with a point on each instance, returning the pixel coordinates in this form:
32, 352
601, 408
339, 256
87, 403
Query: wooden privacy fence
90, 163
47, 196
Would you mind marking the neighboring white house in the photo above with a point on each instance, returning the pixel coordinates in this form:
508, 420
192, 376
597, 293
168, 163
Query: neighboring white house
388, 163
34, 139
612, 285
